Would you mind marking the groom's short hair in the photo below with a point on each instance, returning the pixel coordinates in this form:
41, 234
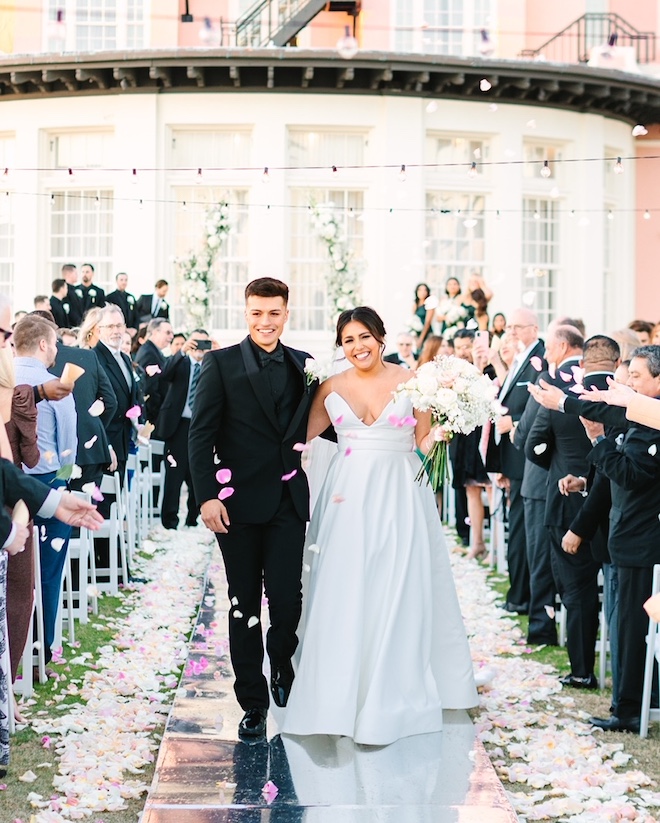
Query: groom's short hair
267, 287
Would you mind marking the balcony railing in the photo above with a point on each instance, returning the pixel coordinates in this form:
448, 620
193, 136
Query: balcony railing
275, 21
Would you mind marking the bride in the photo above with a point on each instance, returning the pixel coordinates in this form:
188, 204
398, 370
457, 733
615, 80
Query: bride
383, 643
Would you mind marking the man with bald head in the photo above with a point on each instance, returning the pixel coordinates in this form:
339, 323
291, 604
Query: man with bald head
523, 330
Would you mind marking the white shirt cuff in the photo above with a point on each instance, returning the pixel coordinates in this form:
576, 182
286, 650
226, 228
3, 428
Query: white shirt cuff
50, 504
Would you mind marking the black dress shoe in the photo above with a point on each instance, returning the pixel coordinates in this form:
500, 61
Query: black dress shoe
579, 682
253, 723
281, 680
517, 608
616, 724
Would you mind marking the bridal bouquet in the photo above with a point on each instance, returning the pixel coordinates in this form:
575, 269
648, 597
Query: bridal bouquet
459, 397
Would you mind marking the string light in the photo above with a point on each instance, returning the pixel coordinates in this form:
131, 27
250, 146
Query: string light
618, 166
199, 176
402, 173
264, 177
97, 201
140, 204
537, 215
546, 170
472, 171
184, 206
610, 215
335, 171
52, 200
71, 174
6, 174
647, 215
134, 176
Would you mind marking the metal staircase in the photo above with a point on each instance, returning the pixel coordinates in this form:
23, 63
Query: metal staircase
275, 22
574, 43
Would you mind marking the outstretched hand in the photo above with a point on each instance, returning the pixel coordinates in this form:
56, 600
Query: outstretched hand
77, 512
618, 394
545, 394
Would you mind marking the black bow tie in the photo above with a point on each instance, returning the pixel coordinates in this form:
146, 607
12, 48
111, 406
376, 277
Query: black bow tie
266, 357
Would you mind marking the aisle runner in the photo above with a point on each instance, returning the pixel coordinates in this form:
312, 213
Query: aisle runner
103, 741
526, 718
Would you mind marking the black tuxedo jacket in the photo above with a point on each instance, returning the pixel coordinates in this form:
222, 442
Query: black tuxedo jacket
75, 304
120, 427
127, 303
234, 415
144, 308
90, 296
60, 311
91, 386
558, 442
15, 486
150, 355
512, 461
174, 382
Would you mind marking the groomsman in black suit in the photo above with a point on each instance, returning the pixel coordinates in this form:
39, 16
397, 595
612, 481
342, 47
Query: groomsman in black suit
250, 409
151, 306
126, 302
91, 295
73, 297
524, 331
58, 307
179, 382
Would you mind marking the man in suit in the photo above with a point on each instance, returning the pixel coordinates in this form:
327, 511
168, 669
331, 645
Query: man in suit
119, 371
126, 302
151, 360
251, 408
558, 443
405, 351
90, 294
57, 305
93, 454
523, 331
73, 297
179, 380
151, 306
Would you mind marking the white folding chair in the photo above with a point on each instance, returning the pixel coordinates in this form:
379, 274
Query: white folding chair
113, 530
128, 513
25, 684
603, 643
158, 478
81, 549
652, 655
133, 495
146, 489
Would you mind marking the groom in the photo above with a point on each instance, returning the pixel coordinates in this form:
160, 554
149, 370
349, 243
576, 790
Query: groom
251, 407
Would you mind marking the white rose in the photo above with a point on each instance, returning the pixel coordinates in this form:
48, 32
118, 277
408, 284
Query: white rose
213, 242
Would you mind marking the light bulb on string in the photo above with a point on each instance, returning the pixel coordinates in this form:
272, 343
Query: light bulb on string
140, 204
6, 173
52, 200
472, 171
618, 166
537, 215
71, 174
647, 214
610, 215
265, 177
134, 178
335, 171
402, 173
347, 46
184, 206
97, 201
546, 171
198, 179
571, 213
497, 214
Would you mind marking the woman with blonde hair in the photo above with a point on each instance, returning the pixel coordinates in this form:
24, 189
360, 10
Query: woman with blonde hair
90, 334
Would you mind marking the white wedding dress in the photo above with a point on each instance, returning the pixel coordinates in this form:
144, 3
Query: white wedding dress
383, 645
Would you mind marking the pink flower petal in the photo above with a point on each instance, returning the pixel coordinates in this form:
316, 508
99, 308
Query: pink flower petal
394, 420
152, 370
337, 498
301, 447
578, 388
90, 443
409, 421
225, 493
288, 476
339, 420
97, 408
172, 461
552, 370
45, 741
223, 476
578, 373
270, 792
536, 363
565, 376
134, 412
348, 451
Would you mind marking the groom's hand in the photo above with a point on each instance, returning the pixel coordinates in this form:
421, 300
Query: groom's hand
215, 517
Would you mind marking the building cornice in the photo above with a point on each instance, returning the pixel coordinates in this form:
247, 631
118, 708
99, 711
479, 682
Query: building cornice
633, 98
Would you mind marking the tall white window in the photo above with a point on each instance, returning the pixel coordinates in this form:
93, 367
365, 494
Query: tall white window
455, 242
325, 148
442, 26
451, 157
309, 261
96, 25
81, 150
230, 274
209, 148
540, 256
81, 231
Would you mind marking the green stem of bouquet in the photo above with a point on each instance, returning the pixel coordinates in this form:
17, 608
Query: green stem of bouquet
434, 465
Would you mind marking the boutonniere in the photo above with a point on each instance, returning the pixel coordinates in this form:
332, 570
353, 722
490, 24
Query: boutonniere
66, 307
79, 292
163, 304
92, 292
131, 300
316, 370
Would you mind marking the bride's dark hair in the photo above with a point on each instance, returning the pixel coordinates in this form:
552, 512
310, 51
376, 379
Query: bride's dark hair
365, 315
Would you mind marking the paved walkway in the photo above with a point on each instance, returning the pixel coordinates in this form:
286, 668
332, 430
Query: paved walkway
204, 774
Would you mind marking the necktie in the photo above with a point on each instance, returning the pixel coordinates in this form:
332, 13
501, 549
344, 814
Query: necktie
193, 385
266, 357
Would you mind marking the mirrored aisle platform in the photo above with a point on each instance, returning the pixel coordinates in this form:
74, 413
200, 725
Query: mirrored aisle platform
204, 774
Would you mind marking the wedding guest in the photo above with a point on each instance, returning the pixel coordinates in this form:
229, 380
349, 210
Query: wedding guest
405, 351
89, 333
92, 296
424, 315
498, 325
151, 359
627, 341
451, 313
126, 302
69, 337
42, 303
655, 335
35, 344
643, 329
138, 341
74, 294
475, 299
431, 348
177, 342
57, 305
